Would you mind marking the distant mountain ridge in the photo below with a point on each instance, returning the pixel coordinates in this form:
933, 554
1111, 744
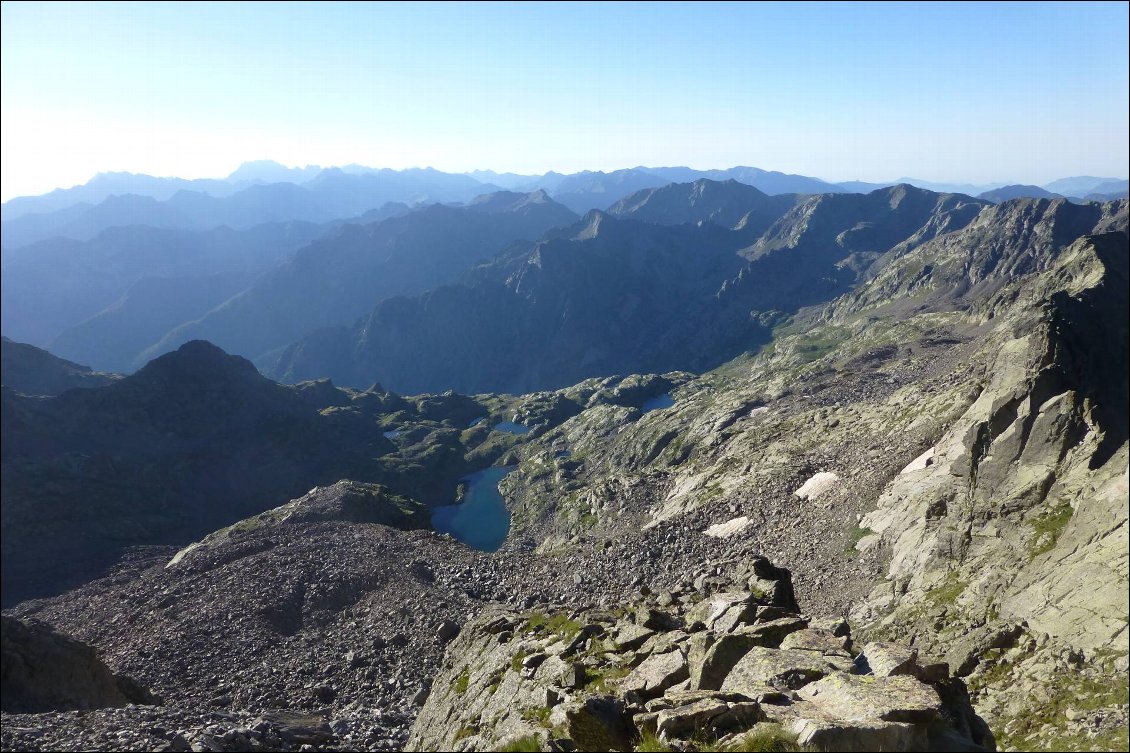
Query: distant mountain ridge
266, 191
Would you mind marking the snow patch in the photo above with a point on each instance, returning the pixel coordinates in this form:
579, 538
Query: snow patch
920, 463
729, 528
817, 485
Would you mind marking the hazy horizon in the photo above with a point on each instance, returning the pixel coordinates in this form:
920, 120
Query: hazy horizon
948, 93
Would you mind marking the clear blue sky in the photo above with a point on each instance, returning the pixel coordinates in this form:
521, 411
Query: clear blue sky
975, 92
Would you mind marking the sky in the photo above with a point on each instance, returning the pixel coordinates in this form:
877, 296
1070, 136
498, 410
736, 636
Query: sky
956, 92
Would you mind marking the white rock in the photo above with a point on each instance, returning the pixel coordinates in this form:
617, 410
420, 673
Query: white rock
817, 485
729, 528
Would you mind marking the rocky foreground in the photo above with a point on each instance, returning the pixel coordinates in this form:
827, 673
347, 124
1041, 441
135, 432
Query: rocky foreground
721, 669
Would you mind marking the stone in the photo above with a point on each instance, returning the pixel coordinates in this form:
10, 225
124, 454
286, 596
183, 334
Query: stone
572, 676
774, 667
631, 636
684, 721
837, 626
657, 673
772, 634
890, 699
708, 611
815, 639
710, 672
45, 670
920, 463
447, 630
738, 715
654, 619
858, 737
888, 660
596, 723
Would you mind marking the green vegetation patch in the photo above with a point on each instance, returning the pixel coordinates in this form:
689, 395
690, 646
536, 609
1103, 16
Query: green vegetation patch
1047, 528
600, 679
855, 535
527, 743
462, 733
462, 681
649, 743
538, 716
947, 593
558, 624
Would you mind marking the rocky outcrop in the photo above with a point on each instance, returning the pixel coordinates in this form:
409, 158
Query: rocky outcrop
694, 672
46, 671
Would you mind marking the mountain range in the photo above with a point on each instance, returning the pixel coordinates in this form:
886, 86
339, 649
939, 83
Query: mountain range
774, 466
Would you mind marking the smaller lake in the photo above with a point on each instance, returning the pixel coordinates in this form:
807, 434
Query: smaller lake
512, 428
481, 520
392, 434
659, 402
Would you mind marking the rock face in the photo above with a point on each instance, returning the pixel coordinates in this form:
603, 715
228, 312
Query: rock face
511, 676
46, 671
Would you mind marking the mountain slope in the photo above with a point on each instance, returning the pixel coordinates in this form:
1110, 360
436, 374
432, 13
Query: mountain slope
32, 371
54, 285
727, 204
598, 190
345, 273
1005, 193
612, 296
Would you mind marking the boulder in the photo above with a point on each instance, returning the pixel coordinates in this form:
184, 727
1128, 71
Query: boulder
657, 673
727, 608
816, 639
888, 660
684, 721
596, 723
775, 667
773, 633
710, 671
889, 699
861, 737
631, 636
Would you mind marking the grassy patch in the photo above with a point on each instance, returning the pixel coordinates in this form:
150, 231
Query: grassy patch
462, 681
528, 743
947, 593
600, 679
516, 660
769, 738
649, 743
855, 535
1046, 530
538, 716
462, 733
558, 624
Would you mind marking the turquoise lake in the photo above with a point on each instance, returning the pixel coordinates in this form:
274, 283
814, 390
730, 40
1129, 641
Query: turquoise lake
481, 520
659, 402
511, 427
